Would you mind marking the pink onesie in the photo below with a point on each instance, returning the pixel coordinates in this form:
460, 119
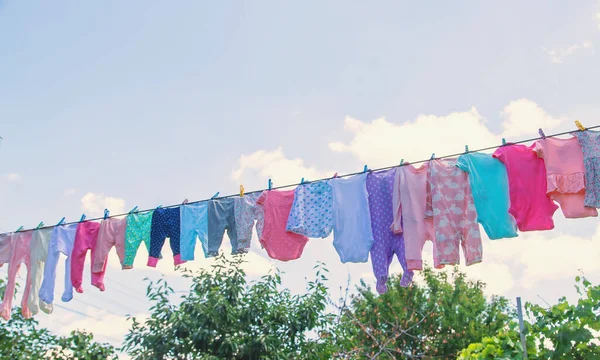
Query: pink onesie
19, 253
527, 186
565, 170
450, 204
409, 199
280, 244
85, 239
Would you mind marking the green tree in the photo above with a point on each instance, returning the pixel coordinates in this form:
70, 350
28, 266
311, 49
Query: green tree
562, 331
434, 318
225, 317
22, 339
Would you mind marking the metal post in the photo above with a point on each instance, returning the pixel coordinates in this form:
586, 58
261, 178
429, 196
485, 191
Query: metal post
521, 327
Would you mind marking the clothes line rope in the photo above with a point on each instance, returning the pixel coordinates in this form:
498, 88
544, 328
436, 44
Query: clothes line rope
322, 179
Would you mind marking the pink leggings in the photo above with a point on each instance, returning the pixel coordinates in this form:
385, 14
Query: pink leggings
85, 239
19, 253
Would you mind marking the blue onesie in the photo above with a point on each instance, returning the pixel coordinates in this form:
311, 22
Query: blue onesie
311, 211
489, 184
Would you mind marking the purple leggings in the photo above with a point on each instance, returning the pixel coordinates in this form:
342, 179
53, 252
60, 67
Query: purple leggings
380, 187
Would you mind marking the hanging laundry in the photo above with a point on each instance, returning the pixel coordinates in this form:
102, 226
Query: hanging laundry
61, 241
166, 223
450, 205
86, 239
246, 213
311, 211
489, 185
386, 244
409, 199
40, 242
194, 226
566, 175
527, 185
5, 241
111, 234
590, 145
352, 231
19, 253
278, 243
221, 217
137, 230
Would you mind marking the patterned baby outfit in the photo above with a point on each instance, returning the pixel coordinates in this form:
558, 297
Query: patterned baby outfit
450, 204
590, 145
246, 213
311, 211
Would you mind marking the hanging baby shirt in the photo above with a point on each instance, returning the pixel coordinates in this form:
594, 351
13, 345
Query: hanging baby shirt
352, 231
194, 226
40, 241
566, 175
63, 237
19, 253
380, 186
85, 239
590, 145
221, 217
311, 211
138, 229
112, 233
246, 213
5, 241
280, 244
166, 223
450, 204
409, 199
489, 184
527, 185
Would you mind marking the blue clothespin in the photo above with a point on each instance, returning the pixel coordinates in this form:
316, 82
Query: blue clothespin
432, 156
466, 149
133, 210
503, 141
106, 213
401, 162
61, 221
215, 196
365, 169
159, 206
41, 224
82, 217
19, 229
302, 181
542, 133
270, 184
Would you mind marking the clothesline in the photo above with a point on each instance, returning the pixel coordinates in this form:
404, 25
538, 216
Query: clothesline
317, 180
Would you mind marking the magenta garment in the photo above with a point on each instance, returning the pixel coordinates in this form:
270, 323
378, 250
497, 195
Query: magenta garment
380, 186
85, 239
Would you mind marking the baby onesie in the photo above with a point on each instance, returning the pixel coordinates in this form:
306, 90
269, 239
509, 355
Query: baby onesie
566, 175
450, 205
138, 229
61, 241
194, 226
489, 185
85, 239
19, 253
279, 244
166, 223
40, 241
409, 198
527, 185
221, 217
352, 232
385, 243
112, 233
246, 213
590, 145
311, 211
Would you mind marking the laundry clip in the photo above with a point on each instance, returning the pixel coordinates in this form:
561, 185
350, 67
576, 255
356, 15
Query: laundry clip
41, 224
215, 196
241, 190
432, 156
503, 141
270, 184
579, 126
302, 181
401, 162
133, 210
106, 213
335, 175
185, 202
61, 221
541, 132
82, 217
466, 149
159, 206
365, 169
19, 229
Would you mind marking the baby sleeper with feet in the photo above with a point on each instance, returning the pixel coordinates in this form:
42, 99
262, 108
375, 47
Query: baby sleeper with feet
61, 241
85, 239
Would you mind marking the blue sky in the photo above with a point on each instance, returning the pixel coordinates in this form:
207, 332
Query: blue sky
136, 103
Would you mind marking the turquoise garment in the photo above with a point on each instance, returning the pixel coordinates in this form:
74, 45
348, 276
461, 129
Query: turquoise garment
489, 184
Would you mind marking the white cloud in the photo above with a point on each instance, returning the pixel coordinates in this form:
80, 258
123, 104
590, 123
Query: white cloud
12, 177
523, 116
70, 192
94, 204
557, 55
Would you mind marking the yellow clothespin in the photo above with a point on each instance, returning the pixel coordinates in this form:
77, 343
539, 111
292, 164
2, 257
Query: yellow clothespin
241, 190
579, 126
